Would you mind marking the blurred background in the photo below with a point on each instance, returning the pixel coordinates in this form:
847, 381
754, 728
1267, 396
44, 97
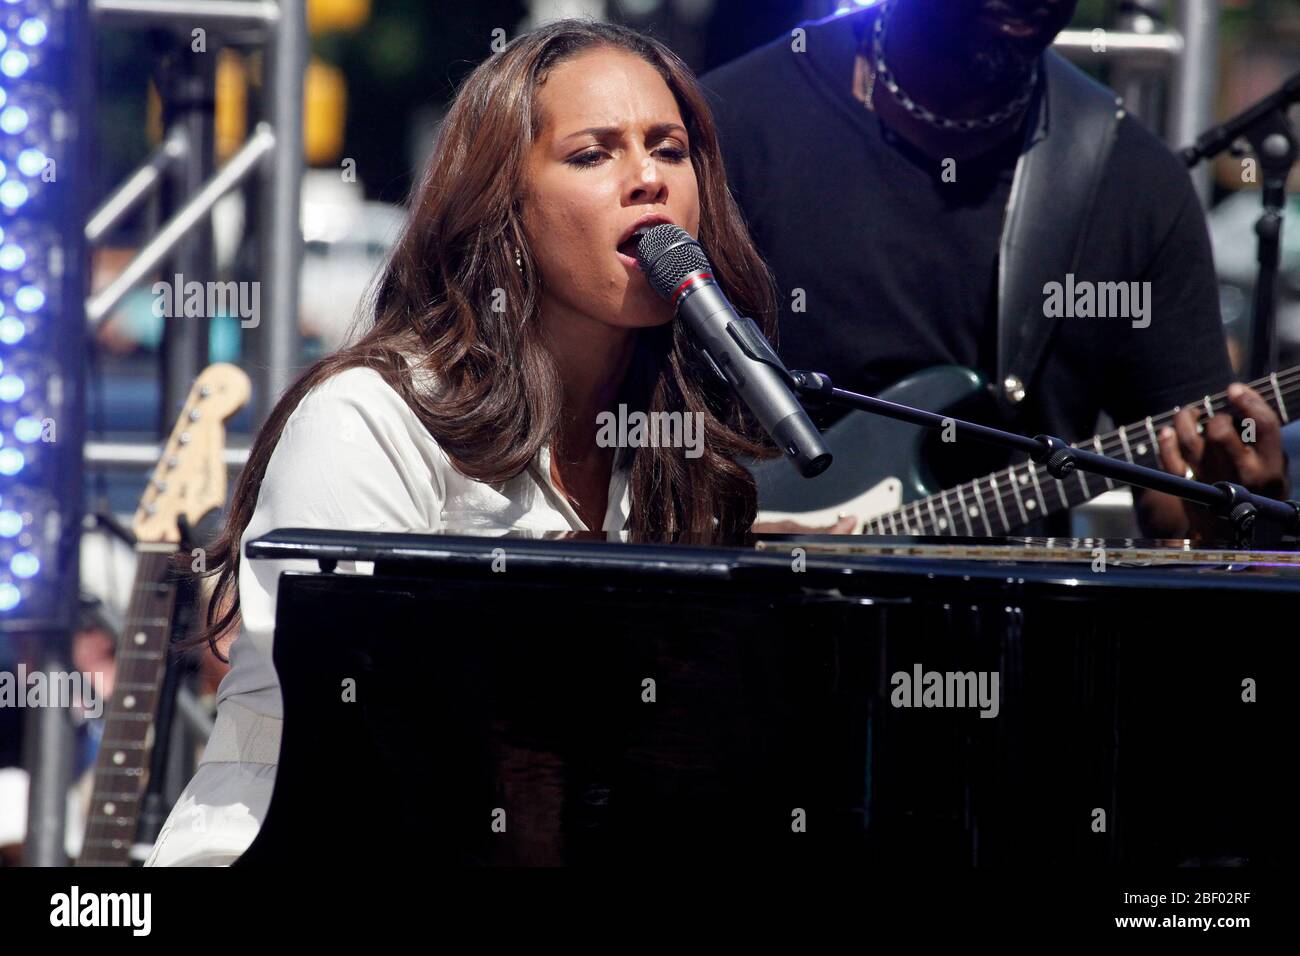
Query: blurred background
378, 79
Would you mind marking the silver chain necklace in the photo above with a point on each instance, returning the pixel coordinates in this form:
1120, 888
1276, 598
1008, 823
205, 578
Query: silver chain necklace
881, 72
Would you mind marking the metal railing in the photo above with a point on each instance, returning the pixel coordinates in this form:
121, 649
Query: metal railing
274, 150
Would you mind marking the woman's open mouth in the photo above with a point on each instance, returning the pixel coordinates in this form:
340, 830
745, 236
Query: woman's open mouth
627, 250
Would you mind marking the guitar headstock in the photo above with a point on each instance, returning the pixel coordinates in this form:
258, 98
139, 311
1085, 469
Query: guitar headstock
190, 478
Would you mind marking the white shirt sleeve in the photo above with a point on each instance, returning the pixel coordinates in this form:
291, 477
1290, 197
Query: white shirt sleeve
352, 456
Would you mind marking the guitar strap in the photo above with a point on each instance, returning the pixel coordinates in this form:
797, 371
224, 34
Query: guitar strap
1067, 146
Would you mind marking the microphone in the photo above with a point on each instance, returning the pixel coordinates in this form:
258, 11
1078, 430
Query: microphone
678, 270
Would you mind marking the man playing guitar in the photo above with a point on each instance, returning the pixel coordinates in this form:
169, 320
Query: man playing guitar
882, 159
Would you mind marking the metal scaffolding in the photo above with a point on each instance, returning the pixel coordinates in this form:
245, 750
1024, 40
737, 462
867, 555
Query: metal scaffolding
274, 151
183, 164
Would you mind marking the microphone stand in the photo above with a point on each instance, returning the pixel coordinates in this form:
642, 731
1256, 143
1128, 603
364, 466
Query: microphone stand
1273, 139
1242, 508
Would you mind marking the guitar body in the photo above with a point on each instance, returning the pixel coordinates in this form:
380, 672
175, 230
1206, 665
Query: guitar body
903, 479
880, 464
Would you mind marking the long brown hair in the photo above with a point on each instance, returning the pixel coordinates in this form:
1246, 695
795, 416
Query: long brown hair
498, 397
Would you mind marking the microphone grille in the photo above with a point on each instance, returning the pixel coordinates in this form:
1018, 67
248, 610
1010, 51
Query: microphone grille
668, 255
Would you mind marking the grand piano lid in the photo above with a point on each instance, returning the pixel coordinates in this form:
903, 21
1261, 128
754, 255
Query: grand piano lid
1088, 562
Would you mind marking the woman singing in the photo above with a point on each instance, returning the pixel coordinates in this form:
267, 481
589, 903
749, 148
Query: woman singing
511, 315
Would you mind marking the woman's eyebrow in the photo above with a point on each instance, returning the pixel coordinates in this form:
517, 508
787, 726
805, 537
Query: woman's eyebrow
601, 132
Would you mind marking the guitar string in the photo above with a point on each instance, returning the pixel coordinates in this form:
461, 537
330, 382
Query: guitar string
992, 503
145, 605
1112, 446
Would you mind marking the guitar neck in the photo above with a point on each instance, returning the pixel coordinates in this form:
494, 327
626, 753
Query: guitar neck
997, 503
122, 765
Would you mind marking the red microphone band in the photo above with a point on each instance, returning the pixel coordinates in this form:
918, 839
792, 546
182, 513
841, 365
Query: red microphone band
689, 280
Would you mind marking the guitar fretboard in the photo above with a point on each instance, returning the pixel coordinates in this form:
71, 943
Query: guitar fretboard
122, 764
997, 503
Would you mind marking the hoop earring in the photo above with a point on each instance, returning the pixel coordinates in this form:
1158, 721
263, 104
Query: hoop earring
519, 260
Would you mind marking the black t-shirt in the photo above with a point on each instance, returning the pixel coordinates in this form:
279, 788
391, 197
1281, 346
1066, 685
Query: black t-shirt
898, 267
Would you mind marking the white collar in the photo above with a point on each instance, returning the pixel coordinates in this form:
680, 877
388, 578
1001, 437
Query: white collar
619, 505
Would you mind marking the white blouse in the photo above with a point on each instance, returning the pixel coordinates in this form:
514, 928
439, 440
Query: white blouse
352, 456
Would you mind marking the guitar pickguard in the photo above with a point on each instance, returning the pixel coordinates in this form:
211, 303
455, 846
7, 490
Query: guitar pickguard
878, 462
880, 498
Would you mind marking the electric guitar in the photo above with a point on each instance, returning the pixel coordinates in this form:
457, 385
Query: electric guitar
883, 474
188, 481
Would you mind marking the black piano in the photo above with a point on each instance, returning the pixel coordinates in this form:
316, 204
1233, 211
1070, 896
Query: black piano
857, 701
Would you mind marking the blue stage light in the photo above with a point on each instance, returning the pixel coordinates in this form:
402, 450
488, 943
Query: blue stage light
24, 564
44, 103
14, 63
12, 388
33, 32
13, 120
31, 162
27, 429
29, 298
12, 257
12, 194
